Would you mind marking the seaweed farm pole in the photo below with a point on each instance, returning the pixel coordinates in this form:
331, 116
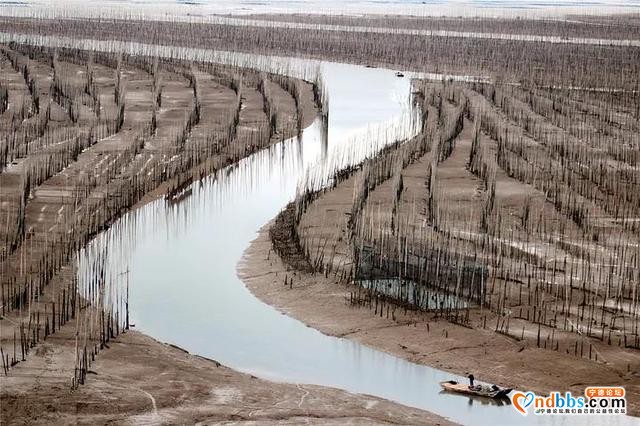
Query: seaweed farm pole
127, 301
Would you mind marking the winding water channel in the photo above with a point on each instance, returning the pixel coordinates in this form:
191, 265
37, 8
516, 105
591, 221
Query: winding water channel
182, 259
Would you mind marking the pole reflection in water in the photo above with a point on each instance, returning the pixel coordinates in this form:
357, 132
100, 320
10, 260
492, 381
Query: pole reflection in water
182, 260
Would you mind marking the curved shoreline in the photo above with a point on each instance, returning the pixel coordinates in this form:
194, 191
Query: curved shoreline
323, 304
314, 301
129, 383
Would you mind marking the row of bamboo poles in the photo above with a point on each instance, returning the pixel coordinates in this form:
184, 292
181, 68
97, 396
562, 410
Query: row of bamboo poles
557, 276
39, 293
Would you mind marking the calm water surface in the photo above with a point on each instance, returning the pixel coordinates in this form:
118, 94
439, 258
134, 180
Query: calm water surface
182, 261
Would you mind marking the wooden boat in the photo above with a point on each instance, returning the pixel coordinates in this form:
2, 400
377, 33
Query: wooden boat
487, 391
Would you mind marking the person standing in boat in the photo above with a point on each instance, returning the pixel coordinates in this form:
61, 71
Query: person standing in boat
471, 379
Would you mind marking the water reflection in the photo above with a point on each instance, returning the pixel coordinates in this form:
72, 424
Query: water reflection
407, 291
482, 401
182, 259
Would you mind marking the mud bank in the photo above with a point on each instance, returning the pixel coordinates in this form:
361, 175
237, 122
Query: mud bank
140, 380
323, 304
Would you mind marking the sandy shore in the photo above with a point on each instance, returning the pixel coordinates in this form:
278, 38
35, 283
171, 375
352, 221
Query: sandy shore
418, 337
142, 381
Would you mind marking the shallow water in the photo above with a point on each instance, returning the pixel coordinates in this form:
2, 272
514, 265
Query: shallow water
182, 262
182, 258
408, 291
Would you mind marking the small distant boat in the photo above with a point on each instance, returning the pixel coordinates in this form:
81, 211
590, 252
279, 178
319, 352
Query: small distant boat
399, 74
488, 391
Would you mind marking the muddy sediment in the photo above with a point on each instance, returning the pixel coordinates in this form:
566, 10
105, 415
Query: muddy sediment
131, 117
140, 380
101, 135
458, 193
323, 303
132, 377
